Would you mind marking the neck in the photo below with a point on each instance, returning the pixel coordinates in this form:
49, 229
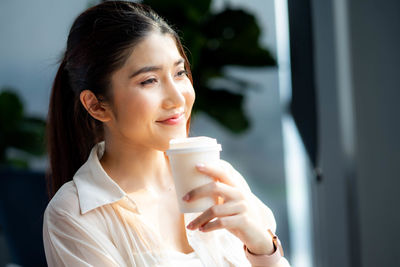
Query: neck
135, 168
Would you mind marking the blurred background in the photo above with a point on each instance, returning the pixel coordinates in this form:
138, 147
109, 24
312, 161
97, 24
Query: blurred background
302, 95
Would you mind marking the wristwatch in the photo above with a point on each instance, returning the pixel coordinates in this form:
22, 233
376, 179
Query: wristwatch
263, 259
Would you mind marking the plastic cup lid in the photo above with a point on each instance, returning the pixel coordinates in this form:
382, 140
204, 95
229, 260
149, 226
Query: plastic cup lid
194, 149
193, 144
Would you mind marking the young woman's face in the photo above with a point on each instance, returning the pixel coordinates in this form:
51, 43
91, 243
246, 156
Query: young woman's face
152, 95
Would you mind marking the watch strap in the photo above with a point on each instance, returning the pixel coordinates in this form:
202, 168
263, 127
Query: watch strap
264, 259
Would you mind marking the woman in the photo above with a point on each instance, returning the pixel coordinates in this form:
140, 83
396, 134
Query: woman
122, 91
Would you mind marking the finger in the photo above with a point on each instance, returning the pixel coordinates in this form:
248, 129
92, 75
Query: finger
229, 222
218, 171
214, 189
227, 209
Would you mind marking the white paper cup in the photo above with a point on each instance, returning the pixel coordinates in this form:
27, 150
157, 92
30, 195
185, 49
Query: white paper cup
184, 154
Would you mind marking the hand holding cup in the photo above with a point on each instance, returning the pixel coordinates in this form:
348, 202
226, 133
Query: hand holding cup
240, 211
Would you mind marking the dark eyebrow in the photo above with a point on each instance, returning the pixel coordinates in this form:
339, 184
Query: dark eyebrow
153, 68
180, 61
144, 69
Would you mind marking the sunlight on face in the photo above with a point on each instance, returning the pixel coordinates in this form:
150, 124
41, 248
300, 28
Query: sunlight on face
152, 95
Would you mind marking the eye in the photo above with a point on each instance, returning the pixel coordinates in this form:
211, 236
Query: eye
182, 73
149, 81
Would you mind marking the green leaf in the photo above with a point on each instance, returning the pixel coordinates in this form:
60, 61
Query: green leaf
225, 107
11, 110
233, 39
179, 11
30, 136
16, 163
18, 131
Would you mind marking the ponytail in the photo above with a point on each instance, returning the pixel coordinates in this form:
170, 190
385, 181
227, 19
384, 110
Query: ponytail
71, 132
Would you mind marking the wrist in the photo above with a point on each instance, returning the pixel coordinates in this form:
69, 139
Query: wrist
263, 247
266, 259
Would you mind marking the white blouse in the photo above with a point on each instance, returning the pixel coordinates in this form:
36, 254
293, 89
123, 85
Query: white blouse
91, 221
180, 259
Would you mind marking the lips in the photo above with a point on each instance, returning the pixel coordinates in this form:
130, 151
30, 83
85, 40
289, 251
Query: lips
172, 119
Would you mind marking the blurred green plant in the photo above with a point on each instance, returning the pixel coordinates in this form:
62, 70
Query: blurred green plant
215, 40
18, 131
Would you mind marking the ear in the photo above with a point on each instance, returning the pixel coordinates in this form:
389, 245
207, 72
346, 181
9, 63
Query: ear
96, 109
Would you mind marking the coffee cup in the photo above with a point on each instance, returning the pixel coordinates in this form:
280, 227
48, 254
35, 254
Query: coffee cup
184, 154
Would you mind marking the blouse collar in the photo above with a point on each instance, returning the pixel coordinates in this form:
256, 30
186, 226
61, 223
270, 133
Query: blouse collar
95, 188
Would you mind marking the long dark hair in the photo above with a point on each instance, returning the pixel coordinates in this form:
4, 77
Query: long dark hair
99, 42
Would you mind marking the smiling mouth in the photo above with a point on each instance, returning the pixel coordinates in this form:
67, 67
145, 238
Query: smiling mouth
178, 118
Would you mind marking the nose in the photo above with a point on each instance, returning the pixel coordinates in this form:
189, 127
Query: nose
173, 95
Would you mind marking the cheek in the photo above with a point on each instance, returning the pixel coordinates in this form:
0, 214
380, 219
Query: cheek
136, 109
190, 95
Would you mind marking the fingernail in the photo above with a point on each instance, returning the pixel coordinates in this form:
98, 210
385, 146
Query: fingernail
186, 197
200, 166
189, 226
